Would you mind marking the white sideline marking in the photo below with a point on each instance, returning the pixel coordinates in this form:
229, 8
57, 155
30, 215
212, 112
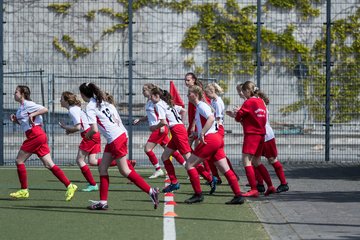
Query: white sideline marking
169, 222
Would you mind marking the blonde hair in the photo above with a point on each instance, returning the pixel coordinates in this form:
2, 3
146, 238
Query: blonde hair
217, 88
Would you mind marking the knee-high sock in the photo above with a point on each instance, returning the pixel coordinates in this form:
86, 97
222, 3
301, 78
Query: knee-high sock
205, 174
206, 166
258, 176
139, 181
213, 168
60, 175
265, 174
104, 187
232, 180
153, 159
131, 164
180, 159
280, 172
88, 175
22, 174
170, 171
250, 174
195, 181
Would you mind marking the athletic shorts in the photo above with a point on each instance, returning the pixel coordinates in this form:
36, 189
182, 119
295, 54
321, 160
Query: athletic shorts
221, 130
36, 142
179, 139
158, 137
270, 150
213, 149
253, 144
118, 148
91, 146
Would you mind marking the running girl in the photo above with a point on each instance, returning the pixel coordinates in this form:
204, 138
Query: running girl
103, 116
28, 116
88, 148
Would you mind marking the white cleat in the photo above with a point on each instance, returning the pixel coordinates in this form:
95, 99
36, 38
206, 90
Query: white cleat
157, 174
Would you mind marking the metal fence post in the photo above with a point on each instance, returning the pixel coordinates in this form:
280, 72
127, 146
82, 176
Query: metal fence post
130, 129
328, 79
258, 44
1, 88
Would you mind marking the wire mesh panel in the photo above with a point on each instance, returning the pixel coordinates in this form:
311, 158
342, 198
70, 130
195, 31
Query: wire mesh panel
59, 45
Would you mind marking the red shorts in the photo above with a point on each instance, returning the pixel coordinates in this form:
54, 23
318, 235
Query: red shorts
221, 130
213, 149
179, 139
91, 146
158, 137
270, 150
36, 142
118, 148
253, 144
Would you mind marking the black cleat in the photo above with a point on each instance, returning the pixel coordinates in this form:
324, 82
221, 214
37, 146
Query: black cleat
236, 200
195, 199
98, 206
282, 188
219, 181
260, 188
212, 185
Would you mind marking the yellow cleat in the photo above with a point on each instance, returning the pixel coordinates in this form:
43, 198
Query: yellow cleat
22, 193
71, 189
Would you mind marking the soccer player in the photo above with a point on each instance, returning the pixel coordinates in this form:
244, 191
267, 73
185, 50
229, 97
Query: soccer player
28, 116
211, 147
103, 116
88, 148
159, 136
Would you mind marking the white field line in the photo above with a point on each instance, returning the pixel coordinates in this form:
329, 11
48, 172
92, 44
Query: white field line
169, 228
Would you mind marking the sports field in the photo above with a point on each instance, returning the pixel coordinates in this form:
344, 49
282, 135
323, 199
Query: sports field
46, 214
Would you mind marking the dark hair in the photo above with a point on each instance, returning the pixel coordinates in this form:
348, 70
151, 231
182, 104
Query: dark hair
197, 81
71, 98
255, 91
164, 95
25, 90
90, 90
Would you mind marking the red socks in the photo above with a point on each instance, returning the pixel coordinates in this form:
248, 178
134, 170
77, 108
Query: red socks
60, 175
21, 171
152, 157
104, 187
87, 174
178, 157
265, 174
280, 172
139, 181
170, 171
195, 181
232, 180
205, 174
250, 174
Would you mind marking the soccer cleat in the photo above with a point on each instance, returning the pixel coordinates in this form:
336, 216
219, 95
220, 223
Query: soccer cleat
71, 189
98, 206
282, 188
270, 190
260, 188
90, 188
21, 194
219, 181
157, 174
212, 185
171, 187
155, 197
251, 193
236, 200
195, 199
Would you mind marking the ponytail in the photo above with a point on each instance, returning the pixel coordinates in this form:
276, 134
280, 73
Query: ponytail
90, 90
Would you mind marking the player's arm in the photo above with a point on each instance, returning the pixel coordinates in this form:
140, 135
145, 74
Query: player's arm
161, 124
70, 129
138, 120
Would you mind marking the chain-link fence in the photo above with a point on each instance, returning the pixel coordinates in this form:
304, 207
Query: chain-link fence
218, 40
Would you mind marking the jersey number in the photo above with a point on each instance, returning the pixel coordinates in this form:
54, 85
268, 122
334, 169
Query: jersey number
176, 115
108, 114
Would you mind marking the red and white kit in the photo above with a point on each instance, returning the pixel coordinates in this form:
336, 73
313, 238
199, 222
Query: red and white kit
36, 140
156, 136
78, 116
219, 107
179, 140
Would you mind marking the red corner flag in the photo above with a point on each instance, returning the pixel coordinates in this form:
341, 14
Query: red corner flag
175, 95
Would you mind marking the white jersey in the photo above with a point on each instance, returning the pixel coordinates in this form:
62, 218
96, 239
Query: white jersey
22, 115
269, 131
107, 119
164, 111
203, 112
219, 107
152, 116
78, 116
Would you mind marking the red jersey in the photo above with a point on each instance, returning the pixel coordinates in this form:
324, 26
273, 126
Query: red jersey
192, 110
252, 115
